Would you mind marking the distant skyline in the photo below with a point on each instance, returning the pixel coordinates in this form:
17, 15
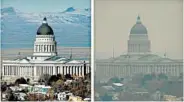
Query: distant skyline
44, 5
115, 18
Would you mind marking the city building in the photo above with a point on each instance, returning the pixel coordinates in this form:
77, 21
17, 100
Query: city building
45, 59
169, 98
138, 59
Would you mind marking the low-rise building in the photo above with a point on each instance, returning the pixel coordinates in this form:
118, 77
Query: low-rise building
169, 98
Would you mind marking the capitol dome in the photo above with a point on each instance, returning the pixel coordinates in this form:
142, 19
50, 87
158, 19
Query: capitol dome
138, 28
45, 29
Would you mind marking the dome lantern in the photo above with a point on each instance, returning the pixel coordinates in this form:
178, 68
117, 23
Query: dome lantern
45, 29
44, 20
138, 28
138, 19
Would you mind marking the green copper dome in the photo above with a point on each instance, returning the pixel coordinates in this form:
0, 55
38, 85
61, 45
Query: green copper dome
45, 29
138, 28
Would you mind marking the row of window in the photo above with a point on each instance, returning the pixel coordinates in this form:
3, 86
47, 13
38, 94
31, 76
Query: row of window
15, 70
44, 48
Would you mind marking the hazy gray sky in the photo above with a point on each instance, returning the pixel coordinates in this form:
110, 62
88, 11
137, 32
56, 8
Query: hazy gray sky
115, 18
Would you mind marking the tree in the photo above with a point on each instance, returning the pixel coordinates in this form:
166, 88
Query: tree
68, 76
60, 76
11, 97
87, 76
147, 77
53, 78
20, 81
106, 97
44, 78
28, 80
59, 85
3, 88
51, 93
162, 76
114, 80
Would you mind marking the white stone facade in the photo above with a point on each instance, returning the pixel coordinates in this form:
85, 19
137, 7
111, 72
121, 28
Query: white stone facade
44, 60
45, 45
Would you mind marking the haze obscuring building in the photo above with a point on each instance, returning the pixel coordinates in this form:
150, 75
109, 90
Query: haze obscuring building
138, 59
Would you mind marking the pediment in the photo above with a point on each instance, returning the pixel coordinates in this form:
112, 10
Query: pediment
24, 61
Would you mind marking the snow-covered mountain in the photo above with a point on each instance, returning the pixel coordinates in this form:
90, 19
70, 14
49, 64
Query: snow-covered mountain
8, 10
71, 27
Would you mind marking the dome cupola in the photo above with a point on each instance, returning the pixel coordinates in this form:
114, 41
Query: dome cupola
45, 29
138, 28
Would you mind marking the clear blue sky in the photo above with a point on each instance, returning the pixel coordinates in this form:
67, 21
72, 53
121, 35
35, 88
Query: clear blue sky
44, 5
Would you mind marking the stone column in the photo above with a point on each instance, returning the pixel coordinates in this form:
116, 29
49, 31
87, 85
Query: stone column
20, 71
5, 71
2, 70
45, 48
35, 48
54, 70
23, 72
12, 68
82, 70
61, 69
68, 70
17, 71
38, 48
45, 69
29, 70
64, 70
42, 48
54, 49
76, 70
8, 70
48, 48
34, 72
87, 69
50, 70
73, 70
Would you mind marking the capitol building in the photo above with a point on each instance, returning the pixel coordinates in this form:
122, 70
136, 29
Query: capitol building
138, 59
45, 59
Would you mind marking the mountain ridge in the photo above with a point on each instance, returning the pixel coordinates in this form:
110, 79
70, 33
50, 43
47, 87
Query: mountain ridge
71, 28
